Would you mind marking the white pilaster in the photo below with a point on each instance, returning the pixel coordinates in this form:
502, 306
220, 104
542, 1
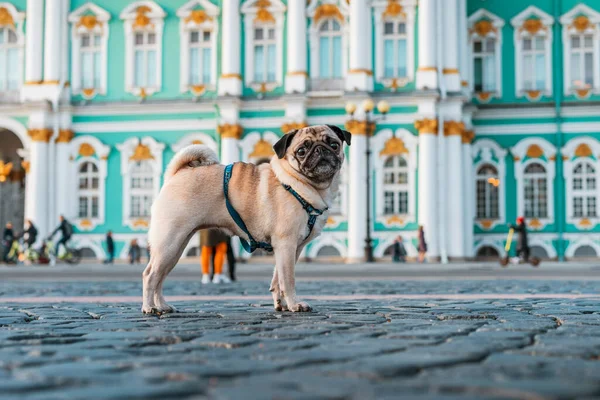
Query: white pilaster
61, 179
455, 193
230, 131
360, 75
427, 71
357, 228
463, 43
295, 79
469, 196
230, 82
36, 201
52, 41
450, 48
34, 40
64, 41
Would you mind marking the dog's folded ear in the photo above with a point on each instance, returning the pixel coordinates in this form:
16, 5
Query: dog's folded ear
282, 144
344, 136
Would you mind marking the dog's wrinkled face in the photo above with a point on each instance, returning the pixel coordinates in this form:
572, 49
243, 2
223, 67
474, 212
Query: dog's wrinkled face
317, 152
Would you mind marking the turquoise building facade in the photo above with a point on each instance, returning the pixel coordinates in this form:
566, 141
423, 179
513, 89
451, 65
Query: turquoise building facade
494, 113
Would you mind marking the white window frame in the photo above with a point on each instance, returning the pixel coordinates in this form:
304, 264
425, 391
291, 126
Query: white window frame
395, 188
78, 29
379, 142
18, 20
156, 16
187, 24
570, 29
88, 192
313, 33
487, 151
99, 158
127, 150
572, 156
407, 16
488, 196
250, 140
545, 31
548, 160
250, 9
494, 33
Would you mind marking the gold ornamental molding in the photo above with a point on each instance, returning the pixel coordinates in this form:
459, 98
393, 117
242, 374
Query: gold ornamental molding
25, 165
86, 150
585, 223
290, 126
486, 223
297, 73
228, 76
140, 223
263, 14
582, 93
393, 10
89, 22
427, 69
583, 150
141, 153
427, 126
88, 93
360, 128
484, 96
532, 26
5, 170
468, 136
450, 71
454, 128
483, 28
197, 90
394, 219
328, 11
40, 135
535, 223
361, 71
581, 23
141, 19
198, 17
534, 151
5, 18
197, 141
464, 83
393, 147
65, 136
232, 131
262, 149
85, 224
533, 94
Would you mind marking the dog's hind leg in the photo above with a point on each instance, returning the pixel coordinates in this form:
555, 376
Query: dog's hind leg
165, 252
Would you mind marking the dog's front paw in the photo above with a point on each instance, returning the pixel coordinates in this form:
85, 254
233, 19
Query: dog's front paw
150, 309
165, 308
300, 307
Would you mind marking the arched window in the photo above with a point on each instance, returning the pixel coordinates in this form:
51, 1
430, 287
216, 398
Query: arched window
487, 252
536, 191
9, 59
394, 49
141, 189
330, 49
395, 185
487, 192
584, 190
88, 190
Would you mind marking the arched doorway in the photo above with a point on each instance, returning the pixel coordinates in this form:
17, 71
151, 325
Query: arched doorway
12, 181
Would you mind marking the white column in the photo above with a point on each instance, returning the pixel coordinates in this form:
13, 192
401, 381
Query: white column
360, 75
36, 201
428, 184
462, 43
64, 44
427, 71
230, 82
62, 168
455, 192
357, 227
52, 38
230, 131
34, 40
450, 48
469, 193
295, 80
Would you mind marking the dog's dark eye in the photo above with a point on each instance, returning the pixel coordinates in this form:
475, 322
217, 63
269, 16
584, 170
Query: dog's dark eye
334, 145
301, 152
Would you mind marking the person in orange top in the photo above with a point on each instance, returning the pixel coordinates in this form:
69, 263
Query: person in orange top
213, 240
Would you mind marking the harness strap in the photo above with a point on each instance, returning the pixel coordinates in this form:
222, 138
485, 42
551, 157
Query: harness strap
313, 213
253, 245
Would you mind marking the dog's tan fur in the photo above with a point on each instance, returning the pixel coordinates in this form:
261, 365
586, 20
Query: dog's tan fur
192, 198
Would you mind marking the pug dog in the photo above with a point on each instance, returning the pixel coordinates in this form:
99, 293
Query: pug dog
282, 204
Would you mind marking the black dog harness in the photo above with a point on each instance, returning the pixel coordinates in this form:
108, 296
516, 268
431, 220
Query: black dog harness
251, 244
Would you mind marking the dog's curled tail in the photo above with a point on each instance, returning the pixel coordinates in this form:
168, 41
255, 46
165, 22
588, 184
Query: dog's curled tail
195, 155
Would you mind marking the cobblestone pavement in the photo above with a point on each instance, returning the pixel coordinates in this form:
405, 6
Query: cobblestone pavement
346, 349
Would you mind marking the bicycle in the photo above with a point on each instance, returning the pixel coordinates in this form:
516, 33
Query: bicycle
70, 256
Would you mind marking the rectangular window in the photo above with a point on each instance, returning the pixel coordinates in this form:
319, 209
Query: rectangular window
83, 207
265, 51
484, 65
388, 203
145, 62
394, 50
324, 53
403, 202
582, 61
200, 64
534, 63
91, 61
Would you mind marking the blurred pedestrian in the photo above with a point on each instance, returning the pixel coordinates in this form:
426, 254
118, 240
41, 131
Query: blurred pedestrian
30, 234
422, 244
66, 230
213, 241
110, 248
8, 237
230, 260
135, 252
523, 243
399, 252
